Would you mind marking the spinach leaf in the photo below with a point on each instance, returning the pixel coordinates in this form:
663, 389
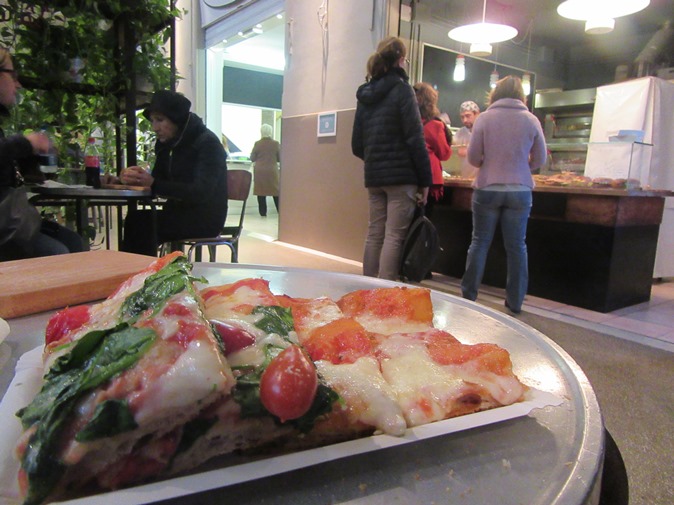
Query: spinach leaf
159, 287
275, 319
110, 418
193, 430
96, 358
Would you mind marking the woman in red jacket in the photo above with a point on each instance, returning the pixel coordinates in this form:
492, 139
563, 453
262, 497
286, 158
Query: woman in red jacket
438, 138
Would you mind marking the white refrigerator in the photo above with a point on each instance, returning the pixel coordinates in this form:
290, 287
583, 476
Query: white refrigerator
644, 104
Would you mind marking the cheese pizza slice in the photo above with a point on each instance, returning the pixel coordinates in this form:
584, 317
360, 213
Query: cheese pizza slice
433, 375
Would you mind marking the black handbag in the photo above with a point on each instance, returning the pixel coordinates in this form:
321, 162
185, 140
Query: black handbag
20, 221
420, 249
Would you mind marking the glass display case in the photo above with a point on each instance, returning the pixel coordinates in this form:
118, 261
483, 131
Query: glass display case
619, 160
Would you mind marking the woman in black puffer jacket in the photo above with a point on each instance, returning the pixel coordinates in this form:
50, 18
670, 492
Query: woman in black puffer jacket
388, 135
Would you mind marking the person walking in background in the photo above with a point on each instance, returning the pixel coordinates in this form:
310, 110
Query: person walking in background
190, 172
388, 136
266, 155
507, 144
23, 231
438, 139
468, 112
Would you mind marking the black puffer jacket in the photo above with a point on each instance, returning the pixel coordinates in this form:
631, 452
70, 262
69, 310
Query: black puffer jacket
388, 134
191, 172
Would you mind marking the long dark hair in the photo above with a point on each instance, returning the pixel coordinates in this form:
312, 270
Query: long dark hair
389, 52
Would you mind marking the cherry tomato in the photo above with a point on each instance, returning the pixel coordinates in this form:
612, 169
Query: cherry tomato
233, 337
288, 385
65, 321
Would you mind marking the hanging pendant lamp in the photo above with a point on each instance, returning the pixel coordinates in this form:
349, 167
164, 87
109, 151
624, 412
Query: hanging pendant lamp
482, 35
599, 15
459, 68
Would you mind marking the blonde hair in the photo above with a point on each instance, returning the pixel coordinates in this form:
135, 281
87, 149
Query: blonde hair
389, 52
508, 87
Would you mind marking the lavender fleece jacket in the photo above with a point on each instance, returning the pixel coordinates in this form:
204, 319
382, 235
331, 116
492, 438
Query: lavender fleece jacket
507, 143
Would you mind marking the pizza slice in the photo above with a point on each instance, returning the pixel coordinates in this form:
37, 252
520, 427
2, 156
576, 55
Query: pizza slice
122, 381
433, 375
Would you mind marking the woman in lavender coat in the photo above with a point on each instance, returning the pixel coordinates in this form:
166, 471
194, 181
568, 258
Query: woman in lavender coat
507, 144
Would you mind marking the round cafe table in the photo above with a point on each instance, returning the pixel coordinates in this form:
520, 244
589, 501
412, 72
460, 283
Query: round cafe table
551, 456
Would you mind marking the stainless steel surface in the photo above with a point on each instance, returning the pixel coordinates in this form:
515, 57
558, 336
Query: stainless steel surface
571, 98
553, 456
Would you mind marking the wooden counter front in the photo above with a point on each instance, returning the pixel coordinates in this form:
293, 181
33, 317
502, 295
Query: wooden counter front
588, 247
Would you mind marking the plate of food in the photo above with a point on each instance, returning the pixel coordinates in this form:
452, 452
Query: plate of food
173, 386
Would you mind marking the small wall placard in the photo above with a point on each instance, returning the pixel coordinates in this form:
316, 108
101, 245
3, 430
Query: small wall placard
327, 124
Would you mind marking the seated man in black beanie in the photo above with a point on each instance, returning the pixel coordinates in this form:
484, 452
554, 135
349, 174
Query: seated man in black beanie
190, 172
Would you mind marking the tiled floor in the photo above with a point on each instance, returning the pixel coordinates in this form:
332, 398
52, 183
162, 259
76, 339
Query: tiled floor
650, 323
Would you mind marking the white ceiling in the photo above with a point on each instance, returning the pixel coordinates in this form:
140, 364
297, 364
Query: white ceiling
255, 51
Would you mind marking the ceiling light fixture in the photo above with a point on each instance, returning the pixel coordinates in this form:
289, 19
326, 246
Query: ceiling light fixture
482, 35
526, 83
599, 15
460, 68
493, 78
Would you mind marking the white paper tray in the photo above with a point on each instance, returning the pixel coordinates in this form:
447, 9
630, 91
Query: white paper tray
27, 382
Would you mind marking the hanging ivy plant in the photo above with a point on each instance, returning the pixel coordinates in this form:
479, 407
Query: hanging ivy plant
70, 60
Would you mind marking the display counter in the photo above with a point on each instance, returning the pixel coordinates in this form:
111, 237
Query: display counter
589, 247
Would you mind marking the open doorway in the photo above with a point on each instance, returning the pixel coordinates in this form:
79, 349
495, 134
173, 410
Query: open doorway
244, 91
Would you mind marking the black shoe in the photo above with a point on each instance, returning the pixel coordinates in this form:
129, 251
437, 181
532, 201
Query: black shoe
512, 310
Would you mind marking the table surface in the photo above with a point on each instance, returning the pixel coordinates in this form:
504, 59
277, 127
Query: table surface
552, 456
89, 192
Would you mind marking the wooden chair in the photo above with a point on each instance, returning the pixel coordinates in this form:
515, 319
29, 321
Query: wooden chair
238, 189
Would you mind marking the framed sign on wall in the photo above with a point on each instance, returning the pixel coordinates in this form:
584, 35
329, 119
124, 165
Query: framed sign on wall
327, 124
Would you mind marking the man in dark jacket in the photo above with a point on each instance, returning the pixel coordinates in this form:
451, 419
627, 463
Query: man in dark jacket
190, 171
388, 136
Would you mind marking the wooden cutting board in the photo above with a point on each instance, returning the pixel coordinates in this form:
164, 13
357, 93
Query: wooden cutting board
39, 284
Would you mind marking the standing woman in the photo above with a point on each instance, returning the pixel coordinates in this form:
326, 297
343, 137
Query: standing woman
389, 137
507, 144
438, 139
266, 155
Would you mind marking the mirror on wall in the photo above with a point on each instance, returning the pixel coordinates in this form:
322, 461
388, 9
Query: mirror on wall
437, 69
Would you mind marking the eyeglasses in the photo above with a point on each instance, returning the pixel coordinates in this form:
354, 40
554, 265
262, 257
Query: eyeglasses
13, 72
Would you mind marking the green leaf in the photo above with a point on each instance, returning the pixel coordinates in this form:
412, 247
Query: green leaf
159, 287
96, 358
111, 417
275, 319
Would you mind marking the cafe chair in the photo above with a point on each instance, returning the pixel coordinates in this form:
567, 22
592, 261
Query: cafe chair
238, 189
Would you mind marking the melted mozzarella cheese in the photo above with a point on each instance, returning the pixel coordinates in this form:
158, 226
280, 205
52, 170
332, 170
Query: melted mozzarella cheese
199, 373
389, 326
318, 312
225, 306
425, 390
504, 389
369, 398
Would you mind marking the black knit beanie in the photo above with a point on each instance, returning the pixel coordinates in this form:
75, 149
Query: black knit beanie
174, 106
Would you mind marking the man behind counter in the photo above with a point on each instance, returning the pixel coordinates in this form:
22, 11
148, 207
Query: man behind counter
190, 172
468, 113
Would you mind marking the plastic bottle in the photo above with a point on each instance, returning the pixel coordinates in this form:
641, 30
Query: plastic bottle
92, 164
49, 160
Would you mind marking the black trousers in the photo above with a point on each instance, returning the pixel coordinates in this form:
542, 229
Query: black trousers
262, 204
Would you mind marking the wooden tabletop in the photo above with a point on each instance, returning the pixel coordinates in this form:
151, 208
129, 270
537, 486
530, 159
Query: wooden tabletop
34, 285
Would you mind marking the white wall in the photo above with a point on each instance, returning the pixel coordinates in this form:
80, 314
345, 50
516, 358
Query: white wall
323, 70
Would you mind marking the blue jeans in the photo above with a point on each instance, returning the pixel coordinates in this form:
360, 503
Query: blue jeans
391, 213
512, 209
